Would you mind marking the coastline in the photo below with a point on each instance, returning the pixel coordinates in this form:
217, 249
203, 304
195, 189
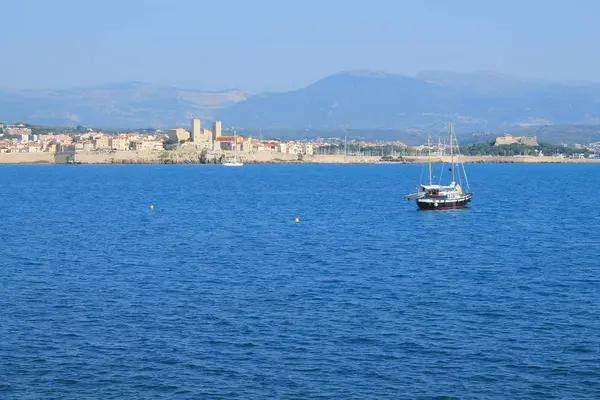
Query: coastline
198, 157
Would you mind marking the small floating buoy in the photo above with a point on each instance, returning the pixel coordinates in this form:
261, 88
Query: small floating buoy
152, 206
297, 220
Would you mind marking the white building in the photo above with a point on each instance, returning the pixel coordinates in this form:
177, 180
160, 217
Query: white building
309, 149
178, 134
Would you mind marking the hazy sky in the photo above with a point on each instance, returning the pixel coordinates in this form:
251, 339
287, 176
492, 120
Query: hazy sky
286, 44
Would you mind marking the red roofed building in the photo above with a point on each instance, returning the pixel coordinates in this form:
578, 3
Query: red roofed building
227, 142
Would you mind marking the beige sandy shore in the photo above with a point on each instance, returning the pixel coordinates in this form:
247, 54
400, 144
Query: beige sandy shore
194, 157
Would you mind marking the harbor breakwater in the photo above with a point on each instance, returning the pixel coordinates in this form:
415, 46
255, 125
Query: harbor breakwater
199, 157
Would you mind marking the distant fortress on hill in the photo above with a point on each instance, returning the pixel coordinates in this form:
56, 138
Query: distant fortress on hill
510, 139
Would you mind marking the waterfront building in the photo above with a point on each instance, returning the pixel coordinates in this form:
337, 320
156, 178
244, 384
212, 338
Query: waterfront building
246, 144
196, 130
309, 149
101, 143
119, 143
33, 149
147, 145
217, 128
228, 143
66, 147
178, 134
88, 145
217, 132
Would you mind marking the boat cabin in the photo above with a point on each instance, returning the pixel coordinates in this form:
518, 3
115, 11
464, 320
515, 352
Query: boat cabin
438, 191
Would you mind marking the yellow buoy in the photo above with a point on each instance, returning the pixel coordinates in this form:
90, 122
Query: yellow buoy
297, 219
151, 206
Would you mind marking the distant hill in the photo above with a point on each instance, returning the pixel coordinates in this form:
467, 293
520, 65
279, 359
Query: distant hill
481, 101
370, 104
123, 105
568, 134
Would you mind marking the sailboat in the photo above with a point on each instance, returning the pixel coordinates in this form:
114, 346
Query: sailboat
234, 162
439, 197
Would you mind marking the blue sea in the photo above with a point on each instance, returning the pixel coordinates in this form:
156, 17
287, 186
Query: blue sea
217, 293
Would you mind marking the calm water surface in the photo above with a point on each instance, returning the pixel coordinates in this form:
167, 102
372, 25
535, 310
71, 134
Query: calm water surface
217, 294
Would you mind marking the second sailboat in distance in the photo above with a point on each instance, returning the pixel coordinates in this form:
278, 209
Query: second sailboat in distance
234, 162
439, 197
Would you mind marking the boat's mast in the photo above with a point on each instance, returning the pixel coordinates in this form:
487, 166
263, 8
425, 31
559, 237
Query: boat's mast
451, 151
345, 146
429, 157
235, 144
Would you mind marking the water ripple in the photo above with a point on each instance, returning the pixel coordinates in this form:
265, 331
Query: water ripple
216, 293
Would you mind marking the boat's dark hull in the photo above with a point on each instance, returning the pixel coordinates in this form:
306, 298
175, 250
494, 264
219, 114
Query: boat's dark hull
424, 204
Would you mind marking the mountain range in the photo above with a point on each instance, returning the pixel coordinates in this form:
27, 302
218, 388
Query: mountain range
477, 101
355, 100
119, 105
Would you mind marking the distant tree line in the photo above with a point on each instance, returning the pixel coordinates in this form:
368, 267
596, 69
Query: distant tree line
488, 149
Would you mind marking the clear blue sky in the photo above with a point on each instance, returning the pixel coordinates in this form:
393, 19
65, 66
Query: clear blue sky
286, 44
